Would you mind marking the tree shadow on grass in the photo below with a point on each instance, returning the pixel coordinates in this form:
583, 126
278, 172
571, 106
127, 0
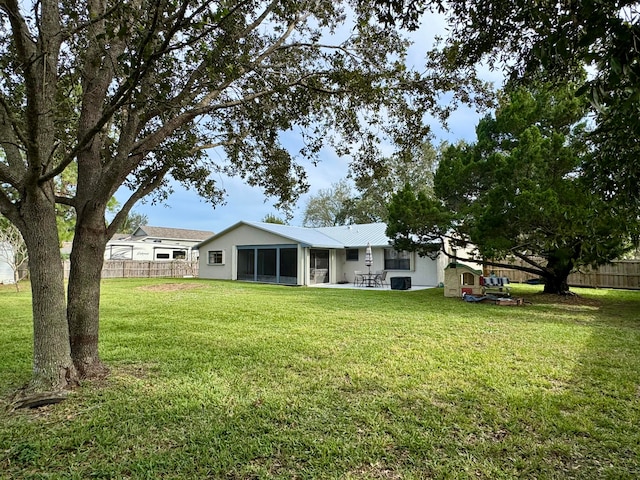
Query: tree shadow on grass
549, 390
576, 414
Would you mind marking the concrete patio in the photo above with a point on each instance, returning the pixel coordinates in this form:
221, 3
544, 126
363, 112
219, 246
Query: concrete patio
351, 286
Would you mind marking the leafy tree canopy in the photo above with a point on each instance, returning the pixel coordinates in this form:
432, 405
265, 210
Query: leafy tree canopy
552, 40
519, 191
376, 185
272, 218
330, 207
133, 221
367, 200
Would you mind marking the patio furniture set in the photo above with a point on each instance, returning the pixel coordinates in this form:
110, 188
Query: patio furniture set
370, 279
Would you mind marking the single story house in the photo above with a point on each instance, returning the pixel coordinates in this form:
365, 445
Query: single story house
273, 253
156, 244
6, 262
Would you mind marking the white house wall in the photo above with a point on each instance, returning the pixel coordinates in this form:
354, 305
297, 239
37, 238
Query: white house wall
427, 272
424, 271
6, 271
243, 235
345, 269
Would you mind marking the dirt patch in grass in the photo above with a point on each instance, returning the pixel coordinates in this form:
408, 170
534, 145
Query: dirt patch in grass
134, 370
170, 287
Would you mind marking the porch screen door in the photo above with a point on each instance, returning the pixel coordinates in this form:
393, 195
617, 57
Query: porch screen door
319, 265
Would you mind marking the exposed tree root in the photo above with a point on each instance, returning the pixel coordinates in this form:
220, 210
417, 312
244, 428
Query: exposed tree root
26, 399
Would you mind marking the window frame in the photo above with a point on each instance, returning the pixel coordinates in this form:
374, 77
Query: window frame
396, 258
349, 251
216, 253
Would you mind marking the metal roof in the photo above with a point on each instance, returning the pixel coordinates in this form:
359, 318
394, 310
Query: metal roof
350, 236
359, 235
311, 237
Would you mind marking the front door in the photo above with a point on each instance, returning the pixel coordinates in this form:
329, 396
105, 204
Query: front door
319, 265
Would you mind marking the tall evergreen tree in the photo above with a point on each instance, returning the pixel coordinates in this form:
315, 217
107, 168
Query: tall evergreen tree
520, 191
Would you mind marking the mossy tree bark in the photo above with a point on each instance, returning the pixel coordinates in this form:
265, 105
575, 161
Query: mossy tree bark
83, 310
53, 368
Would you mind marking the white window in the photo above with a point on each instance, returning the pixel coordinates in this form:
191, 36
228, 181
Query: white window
215, 257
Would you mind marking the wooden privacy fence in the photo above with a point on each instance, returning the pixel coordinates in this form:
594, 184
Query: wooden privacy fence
145, 269
619, 274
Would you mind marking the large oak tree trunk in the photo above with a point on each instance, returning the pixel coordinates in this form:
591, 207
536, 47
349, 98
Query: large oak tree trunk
53, 368
83, 311
556, 274
556, 285
87, 255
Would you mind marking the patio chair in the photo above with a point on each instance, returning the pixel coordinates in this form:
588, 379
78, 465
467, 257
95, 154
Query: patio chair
358, 278
381, 278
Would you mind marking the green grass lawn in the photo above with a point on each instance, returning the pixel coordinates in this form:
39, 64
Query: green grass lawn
241, 381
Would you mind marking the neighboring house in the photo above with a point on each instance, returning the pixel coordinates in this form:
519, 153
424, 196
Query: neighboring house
6, 270
272, 253
156, 244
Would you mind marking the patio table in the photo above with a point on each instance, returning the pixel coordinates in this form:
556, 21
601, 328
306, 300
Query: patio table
370, 279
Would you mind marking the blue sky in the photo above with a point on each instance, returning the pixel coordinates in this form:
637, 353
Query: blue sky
185, 209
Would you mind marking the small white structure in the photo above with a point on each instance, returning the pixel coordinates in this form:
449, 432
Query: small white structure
7, 275
273, 253
156, 244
